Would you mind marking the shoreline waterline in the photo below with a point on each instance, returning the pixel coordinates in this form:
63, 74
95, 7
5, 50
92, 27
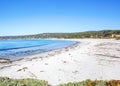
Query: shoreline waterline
7, 60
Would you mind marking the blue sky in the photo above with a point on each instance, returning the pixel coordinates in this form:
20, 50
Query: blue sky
22, 17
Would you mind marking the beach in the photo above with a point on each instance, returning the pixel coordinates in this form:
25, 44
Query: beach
88, 59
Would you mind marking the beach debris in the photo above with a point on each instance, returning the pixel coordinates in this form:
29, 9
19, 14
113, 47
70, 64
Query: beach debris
46, 63
5, 60
108, 55
32, 74
41, 71
23, 69
75, 71
19, 59
6, 66
64, 62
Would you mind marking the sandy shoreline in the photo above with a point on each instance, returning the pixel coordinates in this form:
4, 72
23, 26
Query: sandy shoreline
91, 59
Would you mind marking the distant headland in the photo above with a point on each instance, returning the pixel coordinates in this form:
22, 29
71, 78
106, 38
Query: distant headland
87, 34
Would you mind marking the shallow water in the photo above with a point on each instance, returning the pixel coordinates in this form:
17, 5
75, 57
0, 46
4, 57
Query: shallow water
19, 48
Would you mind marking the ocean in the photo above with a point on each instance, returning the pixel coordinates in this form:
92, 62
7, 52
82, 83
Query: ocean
20, 48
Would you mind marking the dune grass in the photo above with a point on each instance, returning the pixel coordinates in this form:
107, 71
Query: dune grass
93, 83
85, 83
4, 81
22, 82
117, 38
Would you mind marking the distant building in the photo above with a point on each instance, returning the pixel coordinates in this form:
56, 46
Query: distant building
115, 35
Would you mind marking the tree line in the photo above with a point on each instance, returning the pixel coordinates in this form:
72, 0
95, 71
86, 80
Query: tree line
87, 34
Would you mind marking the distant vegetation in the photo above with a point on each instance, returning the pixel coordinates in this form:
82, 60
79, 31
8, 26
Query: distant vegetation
35, 82
88, 34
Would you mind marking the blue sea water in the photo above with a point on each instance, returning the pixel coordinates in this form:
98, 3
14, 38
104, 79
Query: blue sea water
19, 48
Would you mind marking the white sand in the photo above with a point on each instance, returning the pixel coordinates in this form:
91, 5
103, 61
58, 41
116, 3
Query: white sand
91, 59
